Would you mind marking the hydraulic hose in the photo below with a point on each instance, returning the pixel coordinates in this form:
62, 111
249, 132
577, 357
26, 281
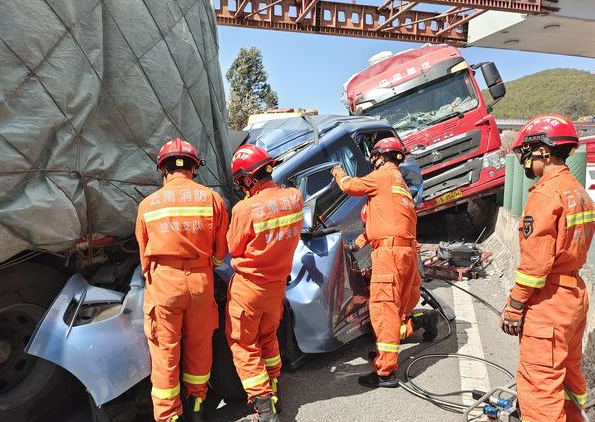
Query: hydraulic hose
482, 301
435, 398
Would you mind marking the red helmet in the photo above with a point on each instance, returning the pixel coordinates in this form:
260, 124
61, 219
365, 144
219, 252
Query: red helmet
392, 144
550, 129
248, 159
364, 214
178, 148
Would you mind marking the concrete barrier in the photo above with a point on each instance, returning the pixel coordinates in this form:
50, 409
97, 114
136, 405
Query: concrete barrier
504, 242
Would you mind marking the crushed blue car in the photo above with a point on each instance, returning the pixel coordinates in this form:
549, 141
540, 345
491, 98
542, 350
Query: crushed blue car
96, 333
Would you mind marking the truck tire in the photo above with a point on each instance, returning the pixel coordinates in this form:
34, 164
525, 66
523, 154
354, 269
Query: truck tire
481, 213
224, 378
31, 389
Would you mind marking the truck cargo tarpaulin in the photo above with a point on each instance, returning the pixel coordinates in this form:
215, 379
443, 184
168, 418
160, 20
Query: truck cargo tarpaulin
89, 90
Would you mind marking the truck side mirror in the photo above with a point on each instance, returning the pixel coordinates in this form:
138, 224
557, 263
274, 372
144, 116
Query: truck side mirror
497, 91
490, 74
493, 80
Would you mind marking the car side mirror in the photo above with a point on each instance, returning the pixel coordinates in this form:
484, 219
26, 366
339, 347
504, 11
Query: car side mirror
308, 217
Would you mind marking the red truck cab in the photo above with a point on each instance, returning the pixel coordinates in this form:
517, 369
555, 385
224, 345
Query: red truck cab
431, 98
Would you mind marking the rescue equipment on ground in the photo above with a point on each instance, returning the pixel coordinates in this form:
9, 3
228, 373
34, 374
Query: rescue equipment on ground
459, 254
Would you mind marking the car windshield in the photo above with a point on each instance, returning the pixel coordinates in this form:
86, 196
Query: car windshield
420, 108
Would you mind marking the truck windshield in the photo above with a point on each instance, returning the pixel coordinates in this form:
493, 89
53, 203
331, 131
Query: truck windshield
420, 108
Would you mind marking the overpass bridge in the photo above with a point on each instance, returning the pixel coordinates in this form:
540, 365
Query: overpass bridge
551, 26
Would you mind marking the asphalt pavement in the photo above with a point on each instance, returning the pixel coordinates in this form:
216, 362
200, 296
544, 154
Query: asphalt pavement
326, 388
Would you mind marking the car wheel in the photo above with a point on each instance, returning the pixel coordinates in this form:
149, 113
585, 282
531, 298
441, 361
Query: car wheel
31, 389
290, 352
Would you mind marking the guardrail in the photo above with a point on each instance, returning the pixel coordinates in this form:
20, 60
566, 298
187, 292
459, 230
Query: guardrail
516, 184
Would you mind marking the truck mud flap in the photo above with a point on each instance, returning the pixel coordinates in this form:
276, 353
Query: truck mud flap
97, 335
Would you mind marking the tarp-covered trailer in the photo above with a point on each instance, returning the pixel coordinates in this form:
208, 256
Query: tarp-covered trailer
89, 90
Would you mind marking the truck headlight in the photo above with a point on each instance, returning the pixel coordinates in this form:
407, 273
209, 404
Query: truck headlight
496, 159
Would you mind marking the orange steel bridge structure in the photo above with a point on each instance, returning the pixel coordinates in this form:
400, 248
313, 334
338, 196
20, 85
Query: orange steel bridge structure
392, 20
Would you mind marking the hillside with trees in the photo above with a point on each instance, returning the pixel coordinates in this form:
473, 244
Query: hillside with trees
569, 92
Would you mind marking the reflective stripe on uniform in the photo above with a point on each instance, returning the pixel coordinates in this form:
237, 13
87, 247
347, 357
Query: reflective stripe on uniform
580, 218
401, 191
529, 280
387, 347
178, 212
275, 360
274, 223
274, 385
403, 331
254, 381
165, 393
342, 180
217, 262
195, 379
580, 398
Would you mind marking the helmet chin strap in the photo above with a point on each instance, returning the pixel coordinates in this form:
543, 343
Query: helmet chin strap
527, 159
378, 161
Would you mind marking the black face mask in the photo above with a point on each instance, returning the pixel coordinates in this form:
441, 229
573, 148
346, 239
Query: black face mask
527, 161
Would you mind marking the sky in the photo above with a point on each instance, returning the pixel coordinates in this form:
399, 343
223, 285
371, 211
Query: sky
308, 70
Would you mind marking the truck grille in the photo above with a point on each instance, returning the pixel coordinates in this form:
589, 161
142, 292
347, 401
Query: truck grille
453, 177
448, 150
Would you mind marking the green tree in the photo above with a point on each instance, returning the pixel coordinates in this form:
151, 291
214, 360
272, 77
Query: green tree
250, 92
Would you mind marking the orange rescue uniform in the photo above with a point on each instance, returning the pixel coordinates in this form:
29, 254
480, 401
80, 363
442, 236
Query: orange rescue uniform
180, 231
391, 229
409, 298
263, 235
555, 234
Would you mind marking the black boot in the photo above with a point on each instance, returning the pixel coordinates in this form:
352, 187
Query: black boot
428, 320
373, 380
193, 410
265, 409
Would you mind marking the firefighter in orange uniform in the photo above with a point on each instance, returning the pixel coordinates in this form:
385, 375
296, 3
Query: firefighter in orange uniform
263, 235
181, 235
390, 229
427, 319
548, 304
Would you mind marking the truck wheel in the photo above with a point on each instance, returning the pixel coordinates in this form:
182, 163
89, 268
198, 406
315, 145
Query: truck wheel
224, 377
482, 213
31, 389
